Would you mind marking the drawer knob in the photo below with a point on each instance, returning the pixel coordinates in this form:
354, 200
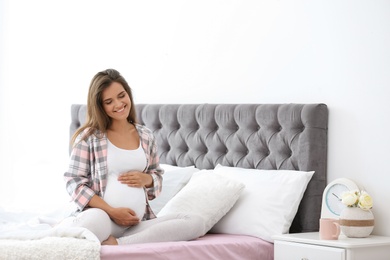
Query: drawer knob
304, 258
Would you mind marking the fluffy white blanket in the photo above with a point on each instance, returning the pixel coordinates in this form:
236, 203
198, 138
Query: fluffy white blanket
23, 237
52, 248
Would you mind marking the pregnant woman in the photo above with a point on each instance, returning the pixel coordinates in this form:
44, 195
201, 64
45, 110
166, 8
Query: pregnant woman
114, 170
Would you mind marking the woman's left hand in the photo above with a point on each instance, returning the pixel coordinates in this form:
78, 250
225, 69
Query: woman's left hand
136, 179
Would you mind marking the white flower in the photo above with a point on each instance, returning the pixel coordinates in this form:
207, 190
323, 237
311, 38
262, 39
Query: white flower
365, 201
350, 198
357, 198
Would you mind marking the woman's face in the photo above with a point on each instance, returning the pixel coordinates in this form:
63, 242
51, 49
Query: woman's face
116, 102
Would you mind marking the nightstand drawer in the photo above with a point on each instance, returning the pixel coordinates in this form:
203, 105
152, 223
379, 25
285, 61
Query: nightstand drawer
299, 251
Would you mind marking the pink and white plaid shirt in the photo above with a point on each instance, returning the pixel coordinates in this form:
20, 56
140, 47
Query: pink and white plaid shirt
87, 173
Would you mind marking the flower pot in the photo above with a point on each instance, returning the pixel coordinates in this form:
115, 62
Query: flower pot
356, 222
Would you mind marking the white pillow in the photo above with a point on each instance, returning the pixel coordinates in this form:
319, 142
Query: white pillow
207, 194
174, 179
268, 204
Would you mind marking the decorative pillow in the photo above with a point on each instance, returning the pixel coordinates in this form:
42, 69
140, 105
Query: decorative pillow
207, 194
174, 179
268, 204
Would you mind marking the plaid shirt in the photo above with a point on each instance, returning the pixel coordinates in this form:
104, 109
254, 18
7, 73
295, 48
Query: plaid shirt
87, 173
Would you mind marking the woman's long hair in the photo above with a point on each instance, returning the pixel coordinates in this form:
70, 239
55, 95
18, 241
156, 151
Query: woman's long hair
97, 119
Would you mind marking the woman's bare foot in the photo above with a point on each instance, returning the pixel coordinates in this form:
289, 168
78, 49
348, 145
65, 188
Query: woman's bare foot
111, 241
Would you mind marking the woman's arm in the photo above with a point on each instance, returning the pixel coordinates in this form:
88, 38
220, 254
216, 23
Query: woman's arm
78, 177
154, 170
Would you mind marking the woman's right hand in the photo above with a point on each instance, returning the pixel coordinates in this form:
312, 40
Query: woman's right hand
123, 216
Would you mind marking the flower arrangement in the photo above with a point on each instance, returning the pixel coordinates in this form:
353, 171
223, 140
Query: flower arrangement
357, 198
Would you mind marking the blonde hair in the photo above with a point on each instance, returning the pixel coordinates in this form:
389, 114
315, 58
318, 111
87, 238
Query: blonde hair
97, 119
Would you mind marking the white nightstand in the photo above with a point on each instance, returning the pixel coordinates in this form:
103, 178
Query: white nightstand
308, 246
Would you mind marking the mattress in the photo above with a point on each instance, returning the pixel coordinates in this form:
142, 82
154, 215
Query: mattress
210, 246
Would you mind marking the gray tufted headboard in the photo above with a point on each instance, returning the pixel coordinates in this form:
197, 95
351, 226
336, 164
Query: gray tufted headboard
257, 136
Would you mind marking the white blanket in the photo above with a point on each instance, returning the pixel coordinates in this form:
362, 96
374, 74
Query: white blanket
29, 236
51, 248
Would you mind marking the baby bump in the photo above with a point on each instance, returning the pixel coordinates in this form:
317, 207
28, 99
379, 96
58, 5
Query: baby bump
121, 195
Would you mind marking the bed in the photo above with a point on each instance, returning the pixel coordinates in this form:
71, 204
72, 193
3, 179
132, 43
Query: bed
263, 137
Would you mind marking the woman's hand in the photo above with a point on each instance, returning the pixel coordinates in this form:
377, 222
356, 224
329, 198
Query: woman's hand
123, 216
136, 179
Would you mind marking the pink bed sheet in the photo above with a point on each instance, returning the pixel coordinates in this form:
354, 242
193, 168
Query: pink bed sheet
211, 246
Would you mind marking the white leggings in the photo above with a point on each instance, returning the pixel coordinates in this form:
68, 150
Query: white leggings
172, 227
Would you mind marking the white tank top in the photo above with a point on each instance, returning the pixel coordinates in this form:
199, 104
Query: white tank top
118, 194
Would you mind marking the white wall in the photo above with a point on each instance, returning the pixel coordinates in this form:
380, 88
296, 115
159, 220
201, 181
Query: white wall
329, 51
